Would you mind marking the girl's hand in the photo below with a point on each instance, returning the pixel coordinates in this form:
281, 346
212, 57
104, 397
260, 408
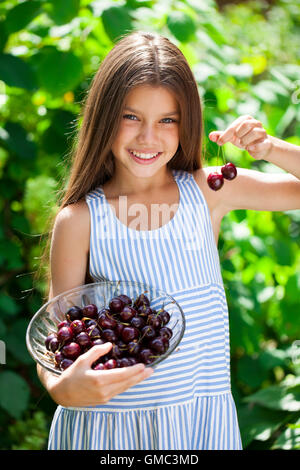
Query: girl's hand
246, 133
80, 385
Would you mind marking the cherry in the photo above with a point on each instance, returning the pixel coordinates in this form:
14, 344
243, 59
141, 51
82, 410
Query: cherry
146, 356
58, 357
109, 335
71, 350
157, 344
134, 348
110, 364
127, 313
166, 332
165, 317
99, 366
129, 333
74, 313
83, 339
127, 300
148, 332
63, 323
90, 311
93, 332
77, 326
48, 339
64, 334
229, 171
105, 321
116, 304
65, 363
142, 300
54, 344
138, 322
215, 181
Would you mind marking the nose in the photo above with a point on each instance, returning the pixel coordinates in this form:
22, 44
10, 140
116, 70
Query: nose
147, 134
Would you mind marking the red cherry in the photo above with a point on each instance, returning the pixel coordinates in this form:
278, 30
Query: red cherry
215, 181
229, 171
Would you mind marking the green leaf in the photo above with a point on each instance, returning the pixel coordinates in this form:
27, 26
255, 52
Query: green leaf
17, 73
19, 16
258, 423
15, 341
58, 71
250, 372
116, 21
277, 397
3, 35
181, 25
64, 11
289, 439
14, 393
16, 139
8, 305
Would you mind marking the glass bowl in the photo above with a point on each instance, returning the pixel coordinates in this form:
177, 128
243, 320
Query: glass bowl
47, 318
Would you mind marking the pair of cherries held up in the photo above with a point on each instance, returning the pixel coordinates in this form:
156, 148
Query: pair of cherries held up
215, 180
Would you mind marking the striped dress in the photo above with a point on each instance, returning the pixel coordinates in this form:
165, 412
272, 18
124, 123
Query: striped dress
187, 402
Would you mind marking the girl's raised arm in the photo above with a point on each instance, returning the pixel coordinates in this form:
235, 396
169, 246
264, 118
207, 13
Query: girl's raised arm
254, 189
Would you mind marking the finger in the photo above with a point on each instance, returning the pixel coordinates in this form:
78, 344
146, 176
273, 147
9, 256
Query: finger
88, 358
246, 126
120, 387
229, 133
119, 374
214, 135
253, 136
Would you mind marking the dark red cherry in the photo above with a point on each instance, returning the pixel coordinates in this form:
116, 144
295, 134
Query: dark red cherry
65, 363
90, 311
215, 181
54, 345
127, 313
127, 300
83, 339
71, 350
99, 366
165, 332
106, 321
229, 171
165, 317
129, 333
157, 345
146, 356
138, 322
77, 326
48, 339
64, 334
109, 335
110, 364
116, 304
74, 313
148, 332
141, 300
134, 348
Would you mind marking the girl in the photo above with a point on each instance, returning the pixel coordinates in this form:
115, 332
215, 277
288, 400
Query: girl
139, 151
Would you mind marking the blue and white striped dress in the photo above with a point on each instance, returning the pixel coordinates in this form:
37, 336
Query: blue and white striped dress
187, 402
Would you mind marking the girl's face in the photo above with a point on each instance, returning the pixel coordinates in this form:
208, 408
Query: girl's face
148, 136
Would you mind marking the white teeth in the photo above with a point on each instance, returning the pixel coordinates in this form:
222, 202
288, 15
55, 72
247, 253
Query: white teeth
145, 156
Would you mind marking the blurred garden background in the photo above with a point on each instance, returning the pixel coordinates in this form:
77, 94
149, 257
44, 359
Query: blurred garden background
246, 60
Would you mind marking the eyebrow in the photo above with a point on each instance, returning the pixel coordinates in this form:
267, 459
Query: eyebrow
172, 113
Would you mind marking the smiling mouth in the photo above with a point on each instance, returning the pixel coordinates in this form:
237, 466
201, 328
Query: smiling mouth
144, 156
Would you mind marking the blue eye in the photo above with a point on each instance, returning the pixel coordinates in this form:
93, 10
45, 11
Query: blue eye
130, 116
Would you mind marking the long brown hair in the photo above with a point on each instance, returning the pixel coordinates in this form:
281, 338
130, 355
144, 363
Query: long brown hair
138, 58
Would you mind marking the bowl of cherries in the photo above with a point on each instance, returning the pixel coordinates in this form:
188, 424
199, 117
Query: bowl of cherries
143, 323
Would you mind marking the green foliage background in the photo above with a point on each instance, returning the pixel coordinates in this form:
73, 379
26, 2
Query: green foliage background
245, 58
